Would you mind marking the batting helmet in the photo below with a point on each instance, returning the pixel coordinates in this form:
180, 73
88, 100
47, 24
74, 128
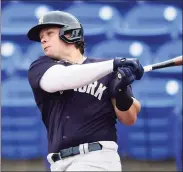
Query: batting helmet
66, 21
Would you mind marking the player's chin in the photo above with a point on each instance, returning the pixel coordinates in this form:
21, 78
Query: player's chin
47, 53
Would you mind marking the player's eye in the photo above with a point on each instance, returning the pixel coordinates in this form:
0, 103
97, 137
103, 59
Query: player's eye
50, 32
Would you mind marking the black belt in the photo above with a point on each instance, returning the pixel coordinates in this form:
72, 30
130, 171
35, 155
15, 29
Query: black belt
74, 151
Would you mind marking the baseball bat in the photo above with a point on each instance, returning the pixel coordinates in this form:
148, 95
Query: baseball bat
177, 61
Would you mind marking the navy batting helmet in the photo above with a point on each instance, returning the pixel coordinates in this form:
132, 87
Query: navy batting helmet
66, 21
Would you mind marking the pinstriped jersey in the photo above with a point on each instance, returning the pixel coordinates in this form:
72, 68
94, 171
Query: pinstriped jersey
75, 116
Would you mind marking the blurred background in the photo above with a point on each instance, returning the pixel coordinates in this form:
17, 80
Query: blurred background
148, 30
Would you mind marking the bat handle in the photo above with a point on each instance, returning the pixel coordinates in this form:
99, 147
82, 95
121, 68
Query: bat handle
148, 68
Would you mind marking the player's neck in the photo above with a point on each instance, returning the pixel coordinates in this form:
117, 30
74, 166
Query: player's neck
74, 58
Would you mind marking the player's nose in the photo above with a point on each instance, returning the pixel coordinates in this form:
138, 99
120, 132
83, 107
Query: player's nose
43, 40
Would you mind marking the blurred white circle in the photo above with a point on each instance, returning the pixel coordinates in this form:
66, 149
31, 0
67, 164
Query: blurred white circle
41, 11
136, 49
172, 87
170, 13
7, 49
105, 13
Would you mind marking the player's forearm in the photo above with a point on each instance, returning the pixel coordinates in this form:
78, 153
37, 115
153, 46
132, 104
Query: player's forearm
129, 116
60, 77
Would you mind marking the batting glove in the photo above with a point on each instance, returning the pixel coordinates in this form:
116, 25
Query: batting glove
124, 77
131, 63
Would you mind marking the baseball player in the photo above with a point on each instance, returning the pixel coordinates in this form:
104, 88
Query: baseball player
79, 97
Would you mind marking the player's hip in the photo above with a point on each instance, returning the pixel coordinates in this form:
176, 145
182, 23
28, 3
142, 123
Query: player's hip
99, 153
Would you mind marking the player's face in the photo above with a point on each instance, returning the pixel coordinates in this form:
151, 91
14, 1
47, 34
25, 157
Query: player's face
51, 44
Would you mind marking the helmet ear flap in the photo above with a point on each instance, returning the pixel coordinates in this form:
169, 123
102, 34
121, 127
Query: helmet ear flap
76, 35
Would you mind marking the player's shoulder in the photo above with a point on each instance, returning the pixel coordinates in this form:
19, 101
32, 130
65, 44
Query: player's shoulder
41, 60
94, 60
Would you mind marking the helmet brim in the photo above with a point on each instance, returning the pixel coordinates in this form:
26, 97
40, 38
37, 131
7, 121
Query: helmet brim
33, 33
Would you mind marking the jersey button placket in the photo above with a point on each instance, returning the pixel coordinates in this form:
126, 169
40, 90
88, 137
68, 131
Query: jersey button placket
67, 117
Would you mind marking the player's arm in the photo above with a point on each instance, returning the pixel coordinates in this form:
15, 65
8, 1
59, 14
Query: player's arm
125, 105
59, 77
128, 117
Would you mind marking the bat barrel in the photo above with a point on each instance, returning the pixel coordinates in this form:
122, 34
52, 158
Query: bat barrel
172, 62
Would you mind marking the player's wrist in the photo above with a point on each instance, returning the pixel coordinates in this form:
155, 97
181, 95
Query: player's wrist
123, 100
